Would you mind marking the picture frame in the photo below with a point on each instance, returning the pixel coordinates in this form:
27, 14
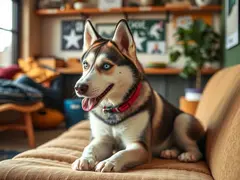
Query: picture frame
149, 35
232, 23
72, 35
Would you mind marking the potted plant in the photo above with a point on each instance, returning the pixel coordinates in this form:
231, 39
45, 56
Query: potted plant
197, 44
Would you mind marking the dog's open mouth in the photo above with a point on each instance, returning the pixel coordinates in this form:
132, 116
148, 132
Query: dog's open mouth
89, 103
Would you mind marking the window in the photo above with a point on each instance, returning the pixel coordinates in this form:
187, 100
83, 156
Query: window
9, 31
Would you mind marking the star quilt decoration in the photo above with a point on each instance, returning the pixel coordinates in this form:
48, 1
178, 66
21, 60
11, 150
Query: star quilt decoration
72, 35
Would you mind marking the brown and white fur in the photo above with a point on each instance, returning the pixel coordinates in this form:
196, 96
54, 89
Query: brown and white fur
150, 127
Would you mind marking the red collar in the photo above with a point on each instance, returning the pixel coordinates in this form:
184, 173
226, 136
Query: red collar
127, 104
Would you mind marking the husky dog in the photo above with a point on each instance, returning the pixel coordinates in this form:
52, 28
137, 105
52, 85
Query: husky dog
130, 122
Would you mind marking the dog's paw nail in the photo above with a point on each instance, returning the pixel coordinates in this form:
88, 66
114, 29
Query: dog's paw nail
107, 166
99, 166
83, 164
75, 165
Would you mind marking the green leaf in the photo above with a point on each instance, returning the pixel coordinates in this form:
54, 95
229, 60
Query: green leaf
174, 56
183, 75
188, 70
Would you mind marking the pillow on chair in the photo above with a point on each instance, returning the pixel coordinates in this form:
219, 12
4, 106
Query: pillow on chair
9, 72
38, 73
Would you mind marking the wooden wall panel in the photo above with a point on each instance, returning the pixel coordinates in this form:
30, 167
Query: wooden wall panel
30, 30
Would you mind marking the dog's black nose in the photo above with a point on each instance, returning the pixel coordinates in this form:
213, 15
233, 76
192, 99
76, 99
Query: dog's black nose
81, 88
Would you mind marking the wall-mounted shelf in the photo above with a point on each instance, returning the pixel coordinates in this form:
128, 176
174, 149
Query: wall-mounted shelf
149, 71
152, 9
175, 71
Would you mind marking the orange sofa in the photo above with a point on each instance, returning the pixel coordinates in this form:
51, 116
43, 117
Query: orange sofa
219, 111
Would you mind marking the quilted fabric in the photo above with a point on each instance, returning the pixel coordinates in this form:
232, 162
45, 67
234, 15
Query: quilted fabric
52, 161
12, 92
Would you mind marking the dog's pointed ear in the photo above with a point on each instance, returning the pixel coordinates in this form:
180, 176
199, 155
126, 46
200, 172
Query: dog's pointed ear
124, 39
90, 35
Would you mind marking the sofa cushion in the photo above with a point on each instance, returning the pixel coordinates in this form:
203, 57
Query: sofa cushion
219, 110
217, 95
29, 169
53, 161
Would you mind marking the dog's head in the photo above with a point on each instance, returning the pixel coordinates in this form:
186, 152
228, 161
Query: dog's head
110, 67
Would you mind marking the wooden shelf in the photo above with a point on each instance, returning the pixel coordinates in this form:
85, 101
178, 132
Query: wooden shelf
195, 9
174, 71
149, 71
45, 12
152, 9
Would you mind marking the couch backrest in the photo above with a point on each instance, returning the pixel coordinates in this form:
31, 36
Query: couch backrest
219, 111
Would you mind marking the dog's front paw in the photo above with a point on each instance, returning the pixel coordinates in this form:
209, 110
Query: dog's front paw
190, 156
108, 166
83, 164
170, 153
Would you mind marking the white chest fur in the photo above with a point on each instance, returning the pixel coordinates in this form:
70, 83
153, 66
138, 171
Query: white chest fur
125, 132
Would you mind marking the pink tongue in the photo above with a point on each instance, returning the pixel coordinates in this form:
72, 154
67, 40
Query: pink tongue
88, 103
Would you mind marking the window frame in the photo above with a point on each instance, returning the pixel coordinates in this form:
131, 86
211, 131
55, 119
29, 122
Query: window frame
15, 31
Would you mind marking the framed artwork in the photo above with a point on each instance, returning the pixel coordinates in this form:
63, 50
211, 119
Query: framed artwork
72, 34
232, 23
149, 35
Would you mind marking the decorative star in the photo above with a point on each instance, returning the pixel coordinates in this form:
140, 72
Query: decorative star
138, 40
72, 39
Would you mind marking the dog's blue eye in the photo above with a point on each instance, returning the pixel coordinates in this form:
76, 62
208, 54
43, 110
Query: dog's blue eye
106, 66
